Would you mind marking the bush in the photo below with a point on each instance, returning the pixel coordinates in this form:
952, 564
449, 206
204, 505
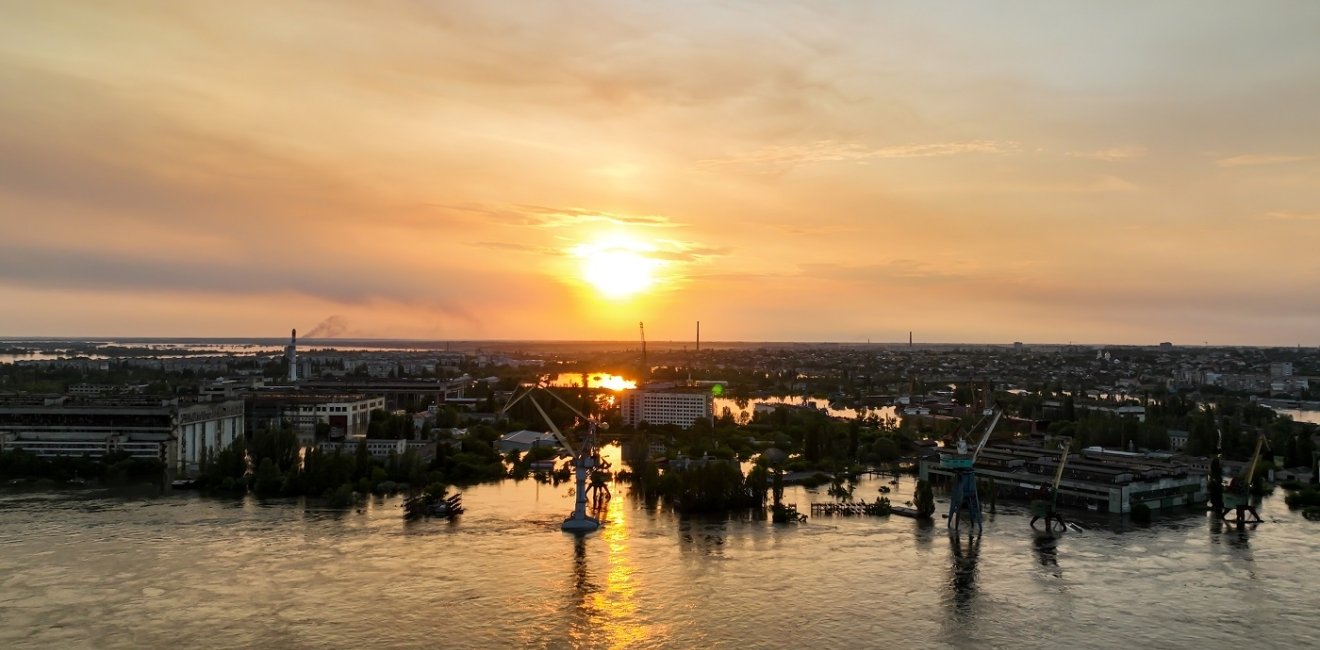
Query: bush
1310, 496
1140, 513
341, 497
924, 500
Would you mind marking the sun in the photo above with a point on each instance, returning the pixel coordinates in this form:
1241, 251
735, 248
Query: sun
618, 267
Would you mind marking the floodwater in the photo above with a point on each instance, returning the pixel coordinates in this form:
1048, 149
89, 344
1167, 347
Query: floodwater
84, 569
849, 413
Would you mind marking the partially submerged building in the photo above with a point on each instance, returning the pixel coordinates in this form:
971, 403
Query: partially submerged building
1096, 479
176, 431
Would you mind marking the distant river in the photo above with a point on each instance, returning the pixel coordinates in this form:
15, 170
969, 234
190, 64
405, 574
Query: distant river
721, 403
81, 570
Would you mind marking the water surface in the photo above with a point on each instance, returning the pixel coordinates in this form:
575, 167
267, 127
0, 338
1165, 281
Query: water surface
92, 570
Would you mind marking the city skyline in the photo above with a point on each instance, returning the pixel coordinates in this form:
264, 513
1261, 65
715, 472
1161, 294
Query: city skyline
1122, 174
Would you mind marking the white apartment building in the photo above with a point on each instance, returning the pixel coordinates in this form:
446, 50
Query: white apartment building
665, 407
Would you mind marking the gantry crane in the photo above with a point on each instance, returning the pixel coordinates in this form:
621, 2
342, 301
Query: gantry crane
585, 457
1239, 499
964, 502
1047, 501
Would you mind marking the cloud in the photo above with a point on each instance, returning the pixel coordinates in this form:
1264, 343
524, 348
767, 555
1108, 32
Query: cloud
514, 246
1113, 154
688, 252
1286, 215
835, 151
906, 271
548, 217
1249, 160
89, 269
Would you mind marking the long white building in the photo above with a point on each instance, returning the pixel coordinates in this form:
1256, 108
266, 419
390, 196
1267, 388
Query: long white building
177, 432
665, 407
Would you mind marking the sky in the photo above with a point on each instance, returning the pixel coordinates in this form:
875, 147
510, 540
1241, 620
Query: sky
1117, 172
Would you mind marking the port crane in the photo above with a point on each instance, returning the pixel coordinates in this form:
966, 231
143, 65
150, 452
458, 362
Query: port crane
1239, 499
585, 456
1046, 506
964, 502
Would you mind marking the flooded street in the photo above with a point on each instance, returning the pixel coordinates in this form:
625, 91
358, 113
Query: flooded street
89, 570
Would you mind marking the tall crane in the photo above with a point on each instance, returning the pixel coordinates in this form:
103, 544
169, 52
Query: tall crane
585, 457
646, 370
1046, 506
964, 502
1239, 499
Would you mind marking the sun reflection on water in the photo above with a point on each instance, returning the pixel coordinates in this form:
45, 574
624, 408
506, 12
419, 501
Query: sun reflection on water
609, 613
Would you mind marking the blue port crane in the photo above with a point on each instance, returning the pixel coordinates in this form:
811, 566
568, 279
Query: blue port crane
964, 502
585, 456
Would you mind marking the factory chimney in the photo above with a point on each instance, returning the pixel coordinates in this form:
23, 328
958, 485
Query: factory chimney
291, 355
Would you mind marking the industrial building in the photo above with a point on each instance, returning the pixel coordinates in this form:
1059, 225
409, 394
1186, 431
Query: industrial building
347, 414
1097, 479
178, 432
680, 408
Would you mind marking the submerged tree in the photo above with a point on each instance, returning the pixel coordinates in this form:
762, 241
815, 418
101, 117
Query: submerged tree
1215, 483
924, 499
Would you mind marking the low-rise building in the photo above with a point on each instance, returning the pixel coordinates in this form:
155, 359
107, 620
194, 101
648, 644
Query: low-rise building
1178, 439
525, 440
347, 415
379, 448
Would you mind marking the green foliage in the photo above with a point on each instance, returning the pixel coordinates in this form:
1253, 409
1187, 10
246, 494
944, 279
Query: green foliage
1215, 483
1308, 496
268, 480
1140, 513
880, 507
924, 499
340, 497
386, 425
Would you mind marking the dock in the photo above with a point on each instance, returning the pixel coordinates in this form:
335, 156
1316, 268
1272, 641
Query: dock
878, 508
846, 509
859, 508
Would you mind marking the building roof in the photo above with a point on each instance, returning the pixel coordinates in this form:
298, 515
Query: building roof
528, 437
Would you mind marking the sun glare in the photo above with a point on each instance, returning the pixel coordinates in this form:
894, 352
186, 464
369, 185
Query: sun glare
618, 267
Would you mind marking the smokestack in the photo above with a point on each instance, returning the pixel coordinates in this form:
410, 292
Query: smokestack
698, 336
291, 355
909, 339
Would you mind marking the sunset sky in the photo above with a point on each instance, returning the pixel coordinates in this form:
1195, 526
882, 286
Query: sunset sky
1121, 172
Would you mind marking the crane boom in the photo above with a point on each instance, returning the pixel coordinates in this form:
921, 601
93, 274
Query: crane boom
1255, 458
994, 420
1063, 460
563, 440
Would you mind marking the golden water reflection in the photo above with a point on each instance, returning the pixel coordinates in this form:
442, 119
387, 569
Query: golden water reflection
608, 612
593, 380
